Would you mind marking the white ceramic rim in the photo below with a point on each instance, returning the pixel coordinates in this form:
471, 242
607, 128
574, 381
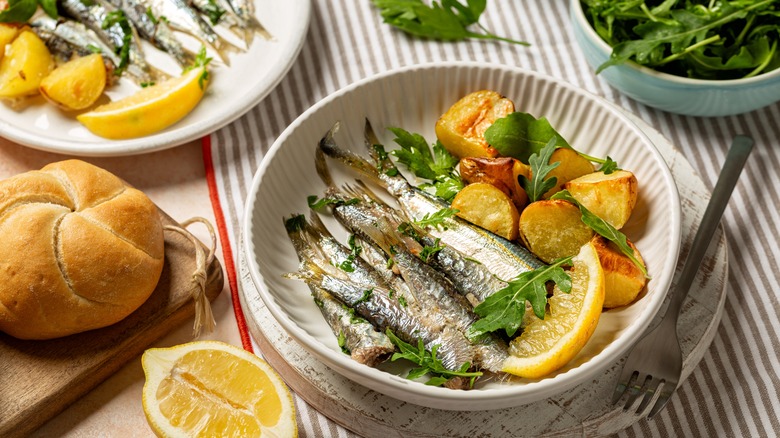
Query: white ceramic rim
579, 14
418, 392
185, 133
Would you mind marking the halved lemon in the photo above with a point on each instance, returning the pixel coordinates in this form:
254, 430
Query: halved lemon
548, 344
149, 110
210, 388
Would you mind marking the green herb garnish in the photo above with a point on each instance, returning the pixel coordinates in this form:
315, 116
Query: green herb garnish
212, 10
437, 220
540, 167
365, 297
504, 309
342, 340
118, 18
347, 265
201, 60
19, 11
448, 20
428, 362
429, 250
437, 166
319, 204
521, 135
603, 228
725, 39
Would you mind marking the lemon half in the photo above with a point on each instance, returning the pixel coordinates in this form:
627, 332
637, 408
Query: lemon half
209, 388
149, 110
548, 344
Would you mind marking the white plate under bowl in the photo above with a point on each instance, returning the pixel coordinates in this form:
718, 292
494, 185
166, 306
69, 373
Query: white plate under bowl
233, 90
413, 98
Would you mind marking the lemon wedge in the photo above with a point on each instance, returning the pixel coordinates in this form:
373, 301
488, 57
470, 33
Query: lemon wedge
209, 388
149, 110
548, 344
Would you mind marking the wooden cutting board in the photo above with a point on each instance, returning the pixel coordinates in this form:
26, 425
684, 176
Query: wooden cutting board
38, 379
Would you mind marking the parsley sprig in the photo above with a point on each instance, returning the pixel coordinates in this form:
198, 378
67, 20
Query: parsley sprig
118, 18
437, 165
447, 20
428, 363
603, 228
504, 309
355, 250
201, 60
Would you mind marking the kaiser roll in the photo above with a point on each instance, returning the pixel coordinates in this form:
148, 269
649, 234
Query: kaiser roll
80, 250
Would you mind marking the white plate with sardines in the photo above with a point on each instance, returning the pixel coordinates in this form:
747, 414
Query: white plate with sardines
117, 77
463, 236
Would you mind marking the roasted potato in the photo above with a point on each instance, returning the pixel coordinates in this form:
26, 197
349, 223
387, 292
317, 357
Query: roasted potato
26, 62
552, 229
461, 130
76, 84
572, 166
502, 172
7, 34
487, 206
611, 197
623, 281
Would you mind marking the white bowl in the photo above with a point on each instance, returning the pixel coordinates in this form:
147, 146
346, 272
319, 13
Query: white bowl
676, 94
414, 98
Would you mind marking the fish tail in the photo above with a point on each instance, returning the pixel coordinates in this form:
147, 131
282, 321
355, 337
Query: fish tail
330, 148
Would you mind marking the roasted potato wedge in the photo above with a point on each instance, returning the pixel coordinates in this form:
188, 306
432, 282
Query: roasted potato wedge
487, 206
7, 34
502, 172
461, 130
611, 197
552, 229
572, 166
623, 281
26, 62
76, 84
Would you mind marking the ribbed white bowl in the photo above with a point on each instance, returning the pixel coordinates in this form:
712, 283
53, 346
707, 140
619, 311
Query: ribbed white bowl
414, 98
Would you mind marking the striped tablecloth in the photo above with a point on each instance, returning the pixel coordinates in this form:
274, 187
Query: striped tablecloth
734, 391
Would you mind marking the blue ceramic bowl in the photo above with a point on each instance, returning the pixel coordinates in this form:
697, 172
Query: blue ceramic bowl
676, 94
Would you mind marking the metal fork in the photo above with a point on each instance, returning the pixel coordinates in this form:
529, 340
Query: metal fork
654, 365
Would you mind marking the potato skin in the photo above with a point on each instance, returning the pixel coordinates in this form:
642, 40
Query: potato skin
611, 197
501, 172
26, 62
572, 166
487, 206
623, 281
461, 130
76, 84
552, 229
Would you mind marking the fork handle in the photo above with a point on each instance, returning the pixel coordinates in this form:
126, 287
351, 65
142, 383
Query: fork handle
732, 168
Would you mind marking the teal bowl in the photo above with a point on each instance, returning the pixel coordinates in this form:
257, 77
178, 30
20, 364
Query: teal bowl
675, 94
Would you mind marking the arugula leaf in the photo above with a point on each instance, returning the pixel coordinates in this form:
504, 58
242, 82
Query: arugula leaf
437, 220
726, 39
448, 20
521, 135
540, 167
504, 309
428, 362
437, 165
603, 228
608, 166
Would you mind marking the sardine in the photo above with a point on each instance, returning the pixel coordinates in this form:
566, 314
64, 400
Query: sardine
67, 39
155, 30
180, 16
245, 12
435, 294
375, 302
118, 35
361, 340
504, 259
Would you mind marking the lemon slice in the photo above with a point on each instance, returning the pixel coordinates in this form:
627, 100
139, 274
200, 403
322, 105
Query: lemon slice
548, 344
209, 388
150, 110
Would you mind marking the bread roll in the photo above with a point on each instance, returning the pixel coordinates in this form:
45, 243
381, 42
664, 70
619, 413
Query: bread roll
80, 250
